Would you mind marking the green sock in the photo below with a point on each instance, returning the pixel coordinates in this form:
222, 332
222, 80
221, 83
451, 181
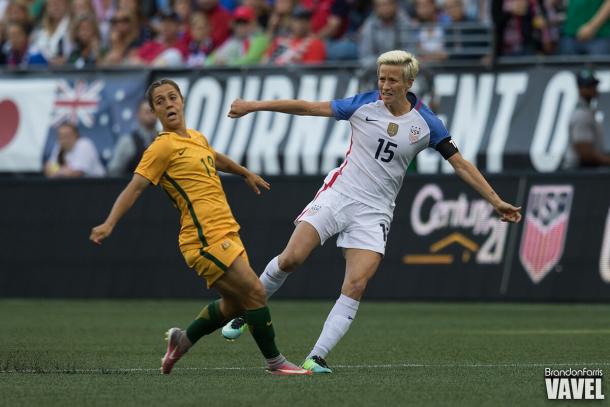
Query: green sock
259, 322
209, 319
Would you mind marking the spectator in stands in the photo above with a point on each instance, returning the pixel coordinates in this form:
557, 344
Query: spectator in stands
184, 9
301, 46
125, 38
587, 28
51, 42
82, 8
73, 156
453, 11
14, 52
246, 46
166, 50
229, 5
430, 43
281, 16
463, 34
18, 11
104, 10
586, 147
329, 22
521, 28
219, 19
137, 11
87, 42
200, 43
384, 30
262, 10
146, 9
37, 9
477, 10
129, 148
359, 10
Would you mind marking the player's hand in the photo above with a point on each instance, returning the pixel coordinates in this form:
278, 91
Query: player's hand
509, 213
254, 182
100, 233
239, 108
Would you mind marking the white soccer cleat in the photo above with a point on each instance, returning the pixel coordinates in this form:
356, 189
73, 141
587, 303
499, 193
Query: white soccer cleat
234, 328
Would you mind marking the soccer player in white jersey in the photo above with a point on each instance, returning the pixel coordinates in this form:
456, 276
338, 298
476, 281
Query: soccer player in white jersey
389, 127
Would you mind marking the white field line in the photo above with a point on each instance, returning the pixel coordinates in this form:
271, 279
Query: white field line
574, 365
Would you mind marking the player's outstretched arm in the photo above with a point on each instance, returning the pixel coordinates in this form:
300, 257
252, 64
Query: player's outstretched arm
473, 177
255, 182
241, 107
124, 201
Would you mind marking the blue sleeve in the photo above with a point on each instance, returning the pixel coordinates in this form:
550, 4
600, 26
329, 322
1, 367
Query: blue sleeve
438, 131
343, 109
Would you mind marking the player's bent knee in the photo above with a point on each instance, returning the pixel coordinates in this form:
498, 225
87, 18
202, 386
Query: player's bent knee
354, 288
290, 260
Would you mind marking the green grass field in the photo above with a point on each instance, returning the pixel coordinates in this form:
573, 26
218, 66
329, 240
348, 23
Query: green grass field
76, 353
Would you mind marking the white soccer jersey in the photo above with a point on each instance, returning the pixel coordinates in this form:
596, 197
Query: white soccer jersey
382, 146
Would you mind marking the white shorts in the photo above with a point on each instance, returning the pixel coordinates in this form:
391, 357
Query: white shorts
359, 226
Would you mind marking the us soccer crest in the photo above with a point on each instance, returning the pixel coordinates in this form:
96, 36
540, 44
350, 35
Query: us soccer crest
545, 229
414, 134
392, 129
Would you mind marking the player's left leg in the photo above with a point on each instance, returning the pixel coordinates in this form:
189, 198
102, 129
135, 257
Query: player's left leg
241, 282
361, 265
210, 318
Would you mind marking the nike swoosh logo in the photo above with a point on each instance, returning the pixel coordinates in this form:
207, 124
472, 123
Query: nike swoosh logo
181, 151
269, 323
371, 120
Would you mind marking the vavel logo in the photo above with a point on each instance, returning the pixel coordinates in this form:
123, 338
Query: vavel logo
574, 384
545, 229
432, 212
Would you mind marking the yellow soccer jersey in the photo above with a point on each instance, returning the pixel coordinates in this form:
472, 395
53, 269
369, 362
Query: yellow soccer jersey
185, 168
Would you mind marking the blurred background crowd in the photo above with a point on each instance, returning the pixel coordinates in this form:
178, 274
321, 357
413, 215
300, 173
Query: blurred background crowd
196, 33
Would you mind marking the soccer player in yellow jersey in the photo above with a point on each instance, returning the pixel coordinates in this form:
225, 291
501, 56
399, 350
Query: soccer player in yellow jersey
186, 167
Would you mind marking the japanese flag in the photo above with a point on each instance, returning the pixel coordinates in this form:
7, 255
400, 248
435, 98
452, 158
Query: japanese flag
25, 117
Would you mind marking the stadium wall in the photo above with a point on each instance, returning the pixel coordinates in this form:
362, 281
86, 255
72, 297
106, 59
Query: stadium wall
513, 117
445, 242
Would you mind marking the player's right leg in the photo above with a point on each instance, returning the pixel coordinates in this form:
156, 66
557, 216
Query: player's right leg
240, 282
304, 239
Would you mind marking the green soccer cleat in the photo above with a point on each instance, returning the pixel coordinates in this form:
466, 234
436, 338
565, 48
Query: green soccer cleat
234, 329
316, 364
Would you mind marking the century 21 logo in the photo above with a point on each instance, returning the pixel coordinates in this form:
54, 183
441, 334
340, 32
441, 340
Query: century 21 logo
456, 214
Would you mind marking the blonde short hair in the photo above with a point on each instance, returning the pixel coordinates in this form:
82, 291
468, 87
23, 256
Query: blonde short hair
400, 57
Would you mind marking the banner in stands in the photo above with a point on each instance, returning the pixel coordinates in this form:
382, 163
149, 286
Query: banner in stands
25, 117
103, 106
445, 242
508, 119
511, 119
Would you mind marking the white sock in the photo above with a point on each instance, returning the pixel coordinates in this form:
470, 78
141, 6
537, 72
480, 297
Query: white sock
336, 326
273, 277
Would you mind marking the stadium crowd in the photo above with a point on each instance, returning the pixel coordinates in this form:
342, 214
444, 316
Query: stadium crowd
196, 33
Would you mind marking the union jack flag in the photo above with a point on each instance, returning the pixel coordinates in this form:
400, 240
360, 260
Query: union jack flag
103, 107
77, 104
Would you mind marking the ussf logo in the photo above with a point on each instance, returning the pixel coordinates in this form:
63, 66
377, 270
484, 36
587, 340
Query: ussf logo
573, 384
